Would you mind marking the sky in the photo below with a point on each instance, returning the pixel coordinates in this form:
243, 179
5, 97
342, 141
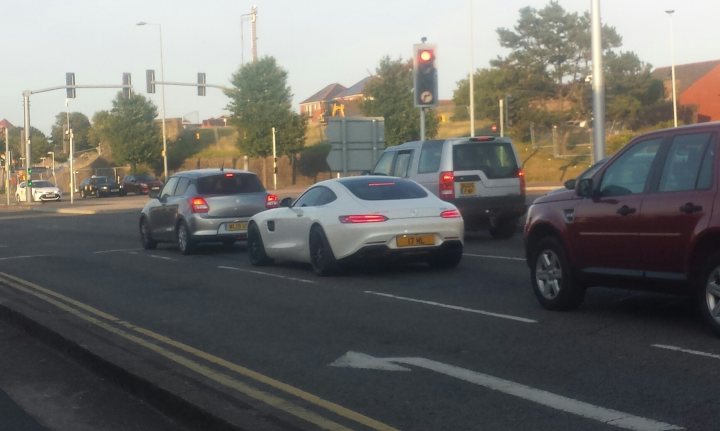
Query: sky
318, 42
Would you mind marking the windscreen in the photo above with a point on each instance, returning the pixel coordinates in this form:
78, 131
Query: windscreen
384, 189
229, 184
38, 184
495, 159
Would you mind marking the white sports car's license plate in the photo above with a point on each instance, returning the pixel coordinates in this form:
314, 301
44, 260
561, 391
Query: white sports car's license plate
415, 240
236, 226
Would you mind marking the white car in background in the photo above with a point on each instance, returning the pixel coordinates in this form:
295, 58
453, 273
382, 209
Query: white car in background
41, 191
364, 217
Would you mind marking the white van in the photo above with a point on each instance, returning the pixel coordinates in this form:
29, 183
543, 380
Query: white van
482, 176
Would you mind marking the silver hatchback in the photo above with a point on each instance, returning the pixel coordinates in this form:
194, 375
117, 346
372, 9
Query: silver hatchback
204, 205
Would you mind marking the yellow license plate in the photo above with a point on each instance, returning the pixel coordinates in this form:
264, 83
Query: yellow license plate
467, 188
236, 226
415, 240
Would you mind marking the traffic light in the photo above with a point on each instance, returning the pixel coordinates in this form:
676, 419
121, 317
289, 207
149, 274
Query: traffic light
70, 81
425, 75
29, 177
127, 85
201, 84
150, 80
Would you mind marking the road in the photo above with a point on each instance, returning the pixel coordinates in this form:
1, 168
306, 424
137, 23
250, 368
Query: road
407, 348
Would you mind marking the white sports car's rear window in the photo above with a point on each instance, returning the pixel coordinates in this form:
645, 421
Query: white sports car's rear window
381, 189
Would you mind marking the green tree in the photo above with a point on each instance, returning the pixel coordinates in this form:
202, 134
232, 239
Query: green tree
129, 129
39, 144
259, 101
80, 125
389, 95
313, 160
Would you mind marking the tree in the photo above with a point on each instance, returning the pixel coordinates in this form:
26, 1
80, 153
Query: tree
79, 123
313, 160
389, 95
129, 129
259, 101
39, 145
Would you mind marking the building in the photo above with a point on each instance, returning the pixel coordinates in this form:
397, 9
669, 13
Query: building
335, 100
697, 85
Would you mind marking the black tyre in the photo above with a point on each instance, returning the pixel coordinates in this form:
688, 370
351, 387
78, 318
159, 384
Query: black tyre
184, 238
145, 238
504, 229
256, 248
322, 258
552, 280
448, 258
707, 288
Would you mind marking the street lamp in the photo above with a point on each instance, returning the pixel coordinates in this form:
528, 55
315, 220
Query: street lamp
162, 98
52, 154
672, 66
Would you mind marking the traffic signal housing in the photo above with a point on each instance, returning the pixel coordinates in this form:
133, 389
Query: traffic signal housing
425, 75
201, 84
70, 81
127, 85
150, 81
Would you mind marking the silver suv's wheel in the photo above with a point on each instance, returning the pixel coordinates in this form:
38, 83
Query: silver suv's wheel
708, 290
552, 280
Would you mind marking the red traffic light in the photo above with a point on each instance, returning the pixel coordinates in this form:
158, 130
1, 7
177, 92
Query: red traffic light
426, 55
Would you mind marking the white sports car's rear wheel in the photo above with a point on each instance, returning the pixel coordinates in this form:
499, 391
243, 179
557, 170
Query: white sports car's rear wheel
321, 255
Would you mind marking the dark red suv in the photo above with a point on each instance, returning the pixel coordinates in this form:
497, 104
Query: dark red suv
649, 218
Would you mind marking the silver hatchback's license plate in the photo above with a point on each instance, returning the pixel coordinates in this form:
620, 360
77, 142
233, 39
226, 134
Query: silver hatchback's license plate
237, 226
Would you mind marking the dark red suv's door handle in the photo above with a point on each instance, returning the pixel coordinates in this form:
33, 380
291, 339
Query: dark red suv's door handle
690, 208
625, 210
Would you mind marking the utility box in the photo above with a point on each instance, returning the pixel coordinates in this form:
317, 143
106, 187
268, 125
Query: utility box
355, 143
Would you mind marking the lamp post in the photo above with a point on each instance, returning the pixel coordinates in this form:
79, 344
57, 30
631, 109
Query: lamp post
162, 99
672, 66
52, 154
72, 153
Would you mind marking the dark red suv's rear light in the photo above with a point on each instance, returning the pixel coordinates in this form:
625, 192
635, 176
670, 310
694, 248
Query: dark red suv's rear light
199, 205
450, 214
447, 185
272, 201
362, 218
521, 177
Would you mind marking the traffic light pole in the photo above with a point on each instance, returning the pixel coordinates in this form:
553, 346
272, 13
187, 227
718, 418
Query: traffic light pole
26, 110
422, 123
8, 162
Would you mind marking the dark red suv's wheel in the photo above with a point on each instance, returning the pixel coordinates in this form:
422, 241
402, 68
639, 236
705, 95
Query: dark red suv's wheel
551, 276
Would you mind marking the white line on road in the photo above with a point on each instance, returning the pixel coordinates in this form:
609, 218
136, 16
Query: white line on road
545, 398
23, 257
487, 256
284, 277
688, 351
157, 256
120, 250
454, 307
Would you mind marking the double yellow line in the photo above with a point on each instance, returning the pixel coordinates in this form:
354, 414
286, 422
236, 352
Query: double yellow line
156, 342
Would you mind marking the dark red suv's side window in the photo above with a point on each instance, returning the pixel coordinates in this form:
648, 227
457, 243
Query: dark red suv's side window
629, 173
682, 170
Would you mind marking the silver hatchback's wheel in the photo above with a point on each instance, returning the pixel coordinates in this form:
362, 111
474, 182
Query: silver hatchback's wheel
708, 290
552, 280
184, 239
145, 238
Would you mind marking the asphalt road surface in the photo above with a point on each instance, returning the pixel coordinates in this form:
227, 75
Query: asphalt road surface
380, 348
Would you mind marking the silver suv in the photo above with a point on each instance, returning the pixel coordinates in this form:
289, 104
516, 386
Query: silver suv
204, 205
481, 176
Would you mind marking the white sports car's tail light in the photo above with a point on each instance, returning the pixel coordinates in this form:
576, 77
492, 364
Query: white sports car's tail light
362, 218
450, 214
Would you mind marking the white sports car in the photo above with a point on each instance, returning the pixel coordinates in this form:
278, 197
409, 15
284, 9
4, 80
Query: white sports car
41, 191
340, 220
